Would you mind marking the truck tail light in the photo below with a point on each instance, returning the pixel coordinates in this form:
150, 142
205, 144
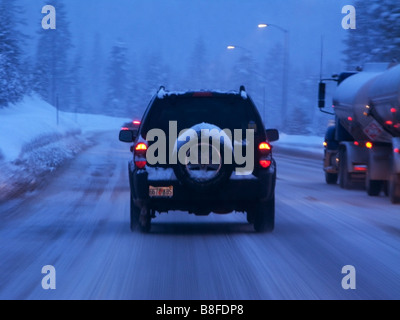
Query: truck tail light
360, 168
369, 145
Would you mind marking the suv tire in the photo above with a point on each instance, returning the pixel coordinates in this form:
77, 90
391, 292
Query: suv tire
135, 214
145, 220
264, 216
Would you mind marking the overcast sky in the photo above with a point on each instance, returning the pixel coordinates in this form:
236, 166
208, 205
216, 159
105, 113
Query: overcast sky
172, 27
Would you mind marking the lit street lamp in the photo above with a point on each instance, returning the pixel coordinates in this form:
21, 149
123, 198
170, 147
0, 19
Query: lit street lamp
233, 47
285, 69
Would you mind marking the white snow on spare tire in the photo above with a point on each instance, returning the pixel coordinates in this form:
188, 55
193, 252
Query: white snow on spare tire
202, 175
192, 133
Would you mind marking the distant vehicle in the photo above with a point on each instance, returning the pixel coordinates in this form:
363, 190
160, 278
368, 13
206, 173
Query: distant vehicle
202, 175
133, 125
364, 144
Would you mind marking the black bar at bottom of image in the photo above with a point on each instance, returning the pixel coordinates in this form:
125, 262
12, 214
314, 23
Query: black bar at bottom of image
199, 309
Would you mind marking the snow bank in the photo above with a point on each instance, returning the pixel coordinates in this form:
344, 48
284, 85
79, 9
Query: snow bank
23, 123
35, 140
309, 145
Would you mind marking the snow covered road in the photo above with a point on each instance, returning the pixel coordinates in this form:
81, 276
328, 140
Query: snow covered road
79, 224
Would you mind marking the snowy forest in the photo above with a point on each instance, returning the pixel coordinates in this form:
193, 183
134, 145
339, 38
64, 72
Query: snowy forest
115, 78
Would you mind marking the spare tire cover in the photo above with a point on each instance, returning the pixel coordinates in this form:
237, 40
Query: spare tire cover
204, 154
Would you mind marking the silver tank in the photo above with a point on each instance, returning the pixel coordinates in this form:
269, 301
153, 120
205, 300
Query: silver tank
368, 103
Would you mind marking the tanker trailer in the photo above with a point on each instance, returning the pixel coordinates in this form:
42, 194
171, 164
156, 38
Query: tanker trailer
362, 146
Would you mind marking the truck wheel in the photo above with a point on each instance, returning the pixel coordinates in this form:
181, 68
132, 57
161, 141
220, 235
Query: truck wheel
394, 188
344, 175
331, 178
135, 214
264, 216
374, 187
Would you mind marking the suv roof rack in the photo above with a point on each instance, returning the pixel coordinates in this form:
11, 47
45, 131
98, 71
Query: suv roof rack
243, 92
161, 92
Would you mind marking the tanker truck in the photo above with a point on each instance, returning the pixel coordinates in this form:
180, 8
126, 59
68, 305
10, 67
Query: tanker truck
362, 144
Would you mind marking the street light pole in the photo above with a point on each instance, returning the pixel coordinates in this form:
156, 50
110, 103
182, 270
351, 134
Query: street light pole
285, 77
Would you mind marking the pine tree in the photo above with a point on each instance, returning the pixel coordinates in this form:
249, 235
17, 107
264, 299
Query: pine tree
155, 75
198, 70
302, 101
377, 37
135, 102
117, 81
390, 27
52, 77
96, 70
245, 70
77, 104
12, 87
273, 78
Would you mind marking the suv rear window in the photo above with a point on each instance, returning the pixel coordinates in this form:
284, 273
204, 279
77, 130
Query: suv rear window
225, 111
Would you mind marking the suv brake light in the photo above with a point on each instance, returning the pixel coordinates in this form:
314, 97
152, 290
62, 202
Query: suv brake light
140, 164
140, 155
265, 155
265, 163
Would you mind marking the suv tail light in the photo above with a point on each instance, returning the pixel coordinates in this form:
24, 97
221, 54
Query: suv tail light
265, 163
141, 147
265, 155
140, 155
264, 146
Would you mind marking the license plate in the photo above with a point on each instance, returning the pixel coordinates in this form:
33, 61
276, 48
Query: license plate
161, 192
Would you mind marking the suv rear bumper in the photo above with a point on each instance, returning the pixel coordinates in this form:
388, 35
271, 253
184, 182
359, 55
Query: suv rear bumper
235, 195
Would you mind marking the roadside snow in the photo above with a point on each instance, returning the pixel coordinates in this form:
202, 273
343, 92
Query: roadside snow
33, 144
23, 123
310, 145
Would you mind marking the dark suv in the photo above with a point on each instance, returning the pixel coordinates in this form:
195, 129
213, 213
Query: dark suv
202, 152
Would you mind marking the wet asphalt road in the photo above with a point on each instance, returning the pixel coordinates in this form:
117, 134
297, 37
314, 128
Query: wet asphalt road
79, 224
